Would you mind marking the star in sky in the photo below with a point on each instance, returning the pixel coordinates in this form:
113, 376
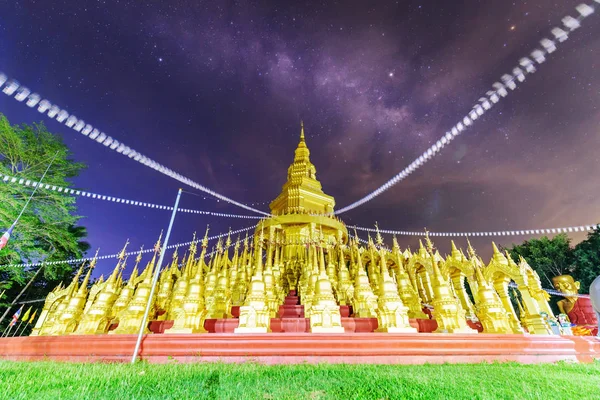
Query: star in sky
239, 78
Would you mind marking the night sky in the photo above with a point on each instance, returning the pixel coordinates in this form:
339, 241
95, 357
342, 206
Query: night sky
215, 90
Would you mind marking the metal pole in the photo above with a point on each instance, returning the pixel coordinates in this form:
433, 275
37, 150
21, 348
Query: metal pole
7, 331
21, 293
37, 185
35, 189
23, 330
155, 280
18, 326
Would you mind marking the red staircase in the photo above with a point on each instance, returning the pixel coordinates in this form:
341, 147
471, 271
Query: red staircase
291, 316
292, 320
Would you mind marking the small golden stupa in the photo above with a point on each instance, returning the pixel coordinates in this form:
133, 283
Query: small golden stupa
302, 263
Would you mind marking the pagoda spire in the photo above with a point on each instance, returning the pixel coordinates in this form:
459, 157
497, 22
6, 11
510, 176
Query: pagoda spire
302, 193
302, 153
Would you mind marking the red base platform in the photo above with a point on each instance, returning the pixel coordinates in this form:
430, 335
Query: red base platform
280, 348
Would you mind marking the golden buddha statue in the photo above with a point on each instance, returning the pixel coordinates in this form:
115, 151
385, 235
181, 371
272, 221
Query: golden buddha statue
579, 309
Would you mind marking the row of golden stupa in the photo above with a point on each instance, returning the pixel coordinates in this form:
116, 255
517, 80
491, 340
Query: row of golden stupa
302, 248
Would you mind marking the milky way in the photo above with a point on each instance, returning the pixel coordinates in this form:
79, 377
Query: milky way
216, 91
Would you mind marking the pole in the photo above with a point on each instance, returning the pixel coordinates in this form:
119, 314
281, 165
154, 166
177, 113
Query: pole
155, 280
18, 326
20, 294
7, 332
23, 330
15, 223
35, 189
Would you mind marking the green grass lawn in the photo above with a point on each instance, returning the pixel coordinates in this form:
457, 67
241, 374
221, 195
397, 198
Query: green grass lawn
50, 380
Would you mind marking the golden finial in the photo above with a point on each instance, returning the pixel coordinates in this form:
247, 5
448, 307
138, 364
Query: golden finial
321, 237
495, 248
139, 256
378, 238
124, 264
428, 242
395, 245
122, 253
453, 247
219, 245
175, 253
228, 240
193, 246
205, 239
237, 243
95, 259
246, 240
157, 244
470, 249
301, 130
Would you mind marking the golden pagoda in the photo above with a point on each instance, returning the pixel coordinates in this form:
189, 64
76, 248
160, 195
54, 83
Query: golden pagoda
302, 264
302, 210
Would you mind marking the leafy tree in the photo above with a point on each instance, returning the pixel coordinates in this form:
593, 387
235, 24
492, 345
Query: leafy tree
47, 229
587, 259
548, 257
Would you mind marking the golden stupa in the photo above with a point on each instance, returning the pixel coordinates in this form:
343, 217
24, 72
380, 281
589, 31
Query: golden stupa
301, 263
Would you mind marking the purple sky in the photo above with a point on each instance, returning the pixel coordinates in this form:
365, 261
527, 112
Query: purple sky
216, 92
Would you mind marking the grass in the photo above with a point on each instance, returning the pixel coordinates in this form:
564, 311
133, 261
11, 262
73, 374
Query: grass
52, 380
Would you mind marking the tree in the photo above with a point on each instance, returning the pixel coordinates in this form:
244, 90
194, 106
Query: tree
548, 257
587, 259
48, 229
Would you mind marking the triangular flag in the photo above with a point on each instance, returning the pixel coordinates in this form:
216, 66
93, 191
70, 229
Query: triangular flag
16, 316
32, 317
4, 238
26, 315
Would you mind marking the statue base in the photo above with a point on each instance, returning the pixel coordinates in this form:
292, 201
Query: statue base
272, 348
331, 329
397, 330
262, 329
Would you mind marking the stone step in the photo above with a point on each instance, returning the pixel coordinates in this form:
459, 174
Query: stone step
291, 311
292, 301
299, 348
345, 311
225, 325
359, 325
160, 326
290, 325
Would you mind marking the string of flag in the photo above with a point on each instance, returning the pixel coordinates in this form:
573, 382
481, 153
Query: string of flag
110, 256
209, 254
528, 232
515, 286
499, 90
553, 292
20, 93
82, 193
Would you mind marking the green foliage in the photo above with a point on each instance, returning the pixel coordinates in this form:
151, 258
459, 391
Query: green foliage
553, 257
47, 230
548, 257
31, 380
587, 259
